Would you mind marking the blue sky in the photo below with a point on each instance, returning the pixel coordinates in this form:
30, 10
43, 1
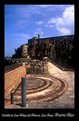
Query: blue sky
22, 22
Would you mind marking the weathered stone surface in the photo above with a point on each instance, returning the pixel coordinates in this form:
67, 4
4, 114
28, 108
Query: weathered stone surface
65, 101
38, 67
58, 49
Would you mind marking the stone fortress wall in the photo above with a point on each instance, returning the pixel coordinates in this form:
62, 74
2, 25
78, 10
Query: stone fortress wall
24, 51
57, 49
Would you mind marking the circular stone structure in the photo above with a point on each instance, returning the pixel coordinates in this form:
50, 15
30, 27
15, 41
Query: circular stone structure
39, 89
44, 89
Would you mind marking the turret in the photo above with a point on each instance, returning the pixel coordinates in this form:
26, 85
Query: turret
24, 51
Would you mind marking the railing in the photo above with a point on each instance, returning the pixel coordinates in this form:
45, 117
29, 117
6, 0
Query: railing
23, 92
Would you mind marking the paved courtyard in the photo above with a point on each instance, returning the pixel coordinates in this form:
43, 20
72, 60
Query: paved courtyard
54, 90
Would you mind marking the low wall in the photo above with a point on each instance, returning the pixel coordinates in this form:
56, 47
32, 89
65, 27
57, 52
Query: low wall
13, 78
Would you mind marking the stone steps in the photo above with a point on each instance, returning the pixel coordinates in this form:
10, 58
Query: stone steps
49, 90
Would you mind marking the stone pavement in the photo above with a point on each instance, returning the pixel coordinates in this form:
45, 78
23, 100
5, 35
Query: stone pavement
66, 100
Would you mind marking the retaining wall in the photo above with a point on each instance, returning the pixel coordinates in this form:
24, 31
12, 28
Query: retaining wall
13, 78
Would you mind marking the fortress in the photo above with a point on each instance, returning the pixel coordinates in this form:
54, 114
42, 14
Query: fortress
58, 49
35, 61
